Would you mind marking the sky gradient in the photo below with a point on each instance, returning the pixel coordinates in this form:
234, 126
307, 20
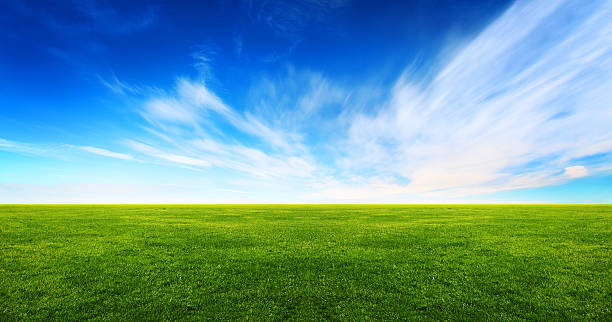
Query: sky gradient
306, 102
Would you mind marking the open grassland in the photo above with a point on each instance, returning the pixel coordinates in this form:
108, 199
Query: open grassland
305, 262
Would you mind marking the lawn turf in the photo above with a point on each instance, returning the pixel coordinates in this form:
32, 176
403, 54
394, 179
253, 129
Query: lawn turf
346, 262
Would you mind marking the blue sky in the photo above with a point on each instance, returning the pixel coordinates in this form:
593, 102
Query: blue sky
306, 101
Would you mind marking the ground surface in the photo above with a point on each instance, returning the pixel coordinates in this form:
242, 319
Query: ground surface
305, 262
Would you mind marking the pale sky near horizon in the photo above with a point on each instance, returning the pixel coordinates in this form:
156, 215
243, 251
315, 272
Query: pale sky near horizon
306, 101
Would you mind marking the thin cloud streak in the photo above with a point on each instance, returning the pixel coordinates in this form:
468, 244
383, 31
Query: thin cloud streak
106, 153
20, 147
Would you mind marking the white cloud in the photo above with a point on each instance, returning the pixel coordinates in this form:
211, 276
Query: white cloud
524, 98
577, 171
193, 104
173, 158
119, 87
512, 109
13, 146
197, 95
41, 149
106, 153
518, 107
170, 110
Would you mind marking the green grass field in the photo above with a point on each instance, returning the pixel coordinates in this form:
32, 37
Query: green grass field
305, 262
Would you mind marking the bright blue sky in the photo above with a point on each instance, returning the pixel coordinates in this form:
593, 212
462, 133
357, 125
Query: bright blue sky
305, 102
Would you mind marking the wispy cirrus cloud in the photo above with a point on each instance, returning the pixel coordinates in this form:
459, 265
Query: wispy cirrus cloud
58, 150
173, 158
122, 88
21, 147
194, 105
525, 100
193, 127
106, 153
524, 104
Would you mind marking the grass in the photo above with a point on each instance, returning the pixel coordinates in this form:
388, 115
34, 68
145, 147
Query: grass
305, 262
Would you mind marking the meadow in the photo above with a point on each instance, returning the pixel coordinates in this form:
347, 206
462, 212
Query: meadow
323, 262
